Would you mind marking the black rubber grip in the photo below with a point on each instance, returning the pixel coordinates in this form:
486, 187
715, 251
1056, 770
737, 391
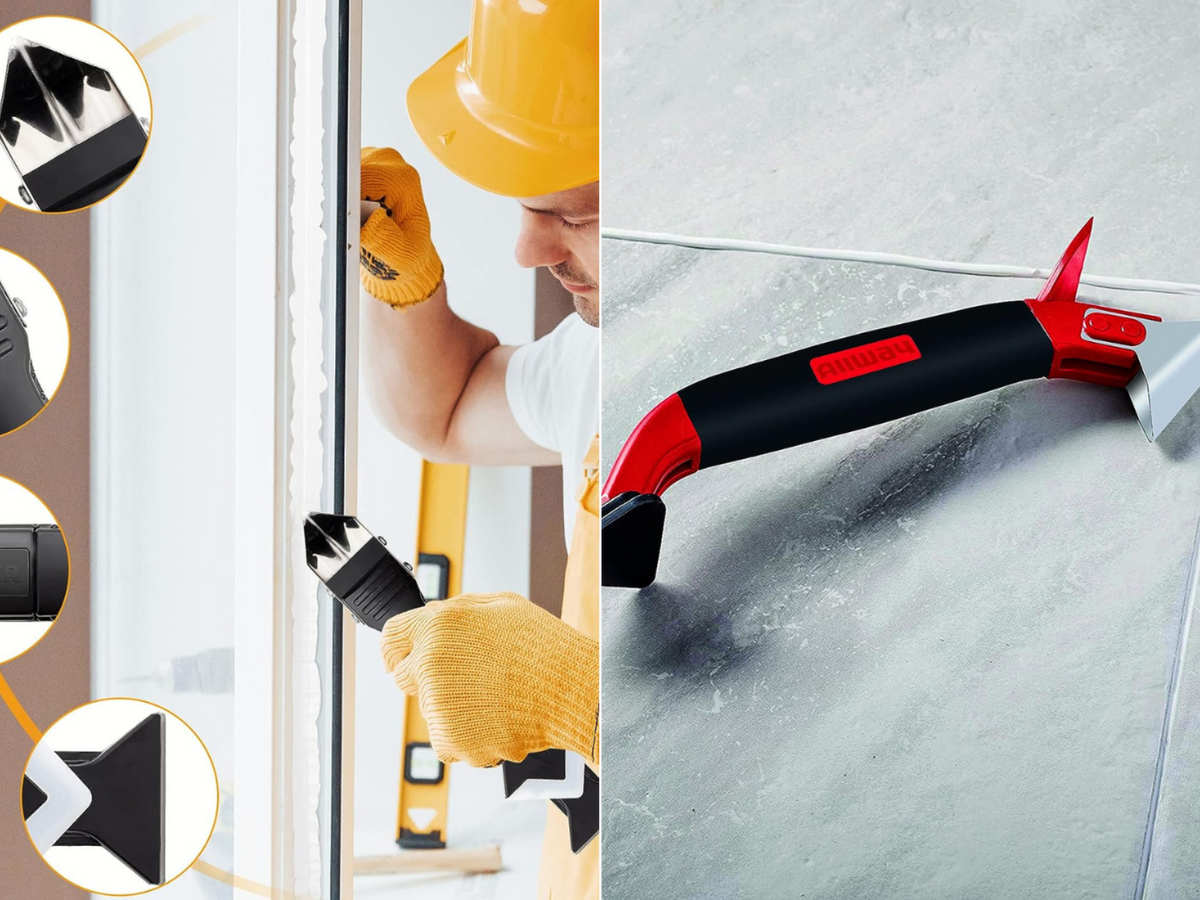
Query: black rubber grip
89, 171
865, 379
21, 396
34, 572
375, 586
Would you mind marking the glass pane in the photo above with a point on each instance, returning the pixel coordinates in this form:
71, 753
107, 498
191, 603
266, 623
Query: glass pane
165, 399
197, 603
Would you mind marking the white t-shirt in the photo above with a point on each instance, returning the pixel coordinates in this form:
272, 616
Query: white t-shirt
553, 388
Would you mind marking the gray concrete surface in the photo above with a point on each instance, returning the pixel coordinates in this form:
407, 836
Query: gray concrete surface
930, 659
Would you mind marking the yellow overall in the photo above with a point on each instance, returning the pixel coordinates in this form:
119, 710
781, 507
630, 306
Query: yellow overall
565, 875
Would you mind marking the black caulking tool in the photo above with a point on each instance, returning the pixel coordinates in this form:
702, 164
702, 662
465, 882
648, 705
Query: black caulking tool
115, 799
34, 572
66, 127
21, 396
357, 568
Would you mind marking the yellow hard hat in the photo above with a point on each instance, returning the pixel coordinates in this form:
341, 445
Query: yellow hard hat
515, 107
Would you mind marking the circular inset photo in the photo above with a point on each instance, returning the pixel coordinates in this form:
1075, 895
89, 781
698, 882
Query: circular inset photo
74, 114
35, 341
34, 569
120, 797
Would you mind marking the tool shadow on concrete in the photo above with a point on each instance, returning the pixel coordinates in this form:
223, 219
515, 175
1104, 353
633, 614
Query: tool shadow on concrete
687, 624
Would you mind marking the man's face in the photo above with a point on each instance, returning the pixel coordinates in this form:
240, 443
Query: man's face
561, 231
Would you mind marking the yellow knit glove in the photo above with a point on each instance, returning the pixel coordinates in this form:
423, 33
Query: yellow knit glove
497, 678
398, 262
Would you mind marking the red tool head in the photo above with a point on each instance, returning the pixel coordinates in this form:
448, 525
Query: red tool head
1078, 355
1157, 362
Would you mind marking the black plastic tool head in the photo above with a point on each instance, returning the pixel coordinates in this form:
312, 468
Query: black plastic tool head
127, 815
356, 567
549, 765
583, 812
631, 529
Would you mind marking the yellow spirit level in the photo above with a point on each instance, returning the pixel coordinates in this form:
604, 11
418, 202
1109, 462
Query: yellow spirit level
441, 530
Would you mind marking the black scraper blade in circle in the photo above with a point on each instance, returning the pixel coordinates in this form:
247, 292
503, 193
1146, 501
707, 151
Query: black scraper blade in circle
127, 815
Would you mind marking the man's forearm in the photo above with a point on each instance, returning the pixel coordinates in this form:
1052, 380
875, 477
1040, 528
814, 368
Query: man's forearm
417, 363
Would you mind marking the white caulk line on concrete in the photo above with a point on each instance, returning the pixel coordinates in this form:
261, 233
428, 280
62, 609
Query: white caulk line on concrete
1173, 691
892, 259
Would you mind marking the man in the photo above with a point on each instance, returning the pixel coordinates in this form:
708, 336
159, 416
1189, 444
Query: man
514, 109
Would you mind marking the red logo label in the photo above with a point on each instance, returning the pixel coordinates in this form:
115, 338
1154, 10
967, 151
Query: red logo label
835, 367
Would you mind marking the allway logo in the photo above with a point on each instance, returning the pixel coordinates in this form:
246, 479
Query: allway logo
835, 367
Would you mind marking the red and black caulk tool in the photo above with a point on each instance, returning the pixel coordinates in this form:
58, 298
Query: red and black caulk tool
886, 374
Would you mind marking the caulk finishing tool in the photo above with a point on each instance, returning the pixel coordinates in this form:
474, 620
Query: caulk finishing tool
885, 374
33, 573
21, 396
115, 799
357, 568
66, 127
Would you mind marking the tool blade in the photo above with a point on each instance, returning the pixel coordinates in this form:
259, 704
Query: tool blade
1169, 374
330, 540
631, 530
583, 812
1063, 283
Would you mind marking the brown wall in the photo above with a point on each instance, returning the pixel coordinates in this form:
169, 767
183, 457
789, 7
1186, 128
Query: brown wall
51, 456
547, 549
